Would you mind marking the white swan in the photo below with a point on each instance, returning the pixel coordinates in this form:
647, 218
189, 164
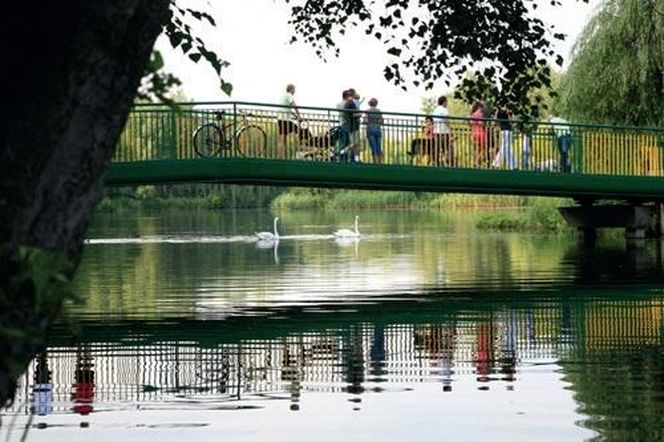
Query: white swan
347, 233
269, 236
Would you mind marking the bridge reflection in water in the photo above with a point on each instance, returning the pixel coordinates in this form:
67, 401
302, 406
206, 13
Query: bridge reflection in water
459, 344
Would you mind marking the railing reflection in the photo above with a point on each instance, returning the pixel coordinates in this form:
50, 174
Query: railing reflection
486, 348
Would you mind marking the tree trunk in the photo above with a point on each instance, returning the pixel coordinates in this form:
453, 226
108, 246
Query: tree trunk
70, 72
75, 67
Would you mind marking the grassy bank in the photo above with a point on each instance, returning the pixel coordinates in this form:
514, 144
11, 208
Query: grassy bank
331, 199
539, 216
191, 196
493, 212
127, 203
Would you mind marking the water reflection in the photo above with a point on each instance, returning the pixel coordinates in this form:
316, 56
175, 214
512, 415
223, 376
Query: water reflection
42, 387
358, 358
613, 264
353, 243
506, 343
84, 382
528, 335
270, 245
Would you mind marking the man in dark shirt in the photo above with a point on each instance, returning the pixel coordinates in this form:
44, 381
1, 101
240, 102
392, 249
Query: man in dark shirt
352, 126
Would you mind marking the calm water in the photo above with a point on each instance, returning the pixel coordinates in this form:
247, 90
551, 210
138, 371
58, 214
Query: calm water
422, 329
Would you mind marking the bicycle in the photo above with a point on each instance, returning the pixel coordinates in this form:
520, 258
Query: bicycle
211, 139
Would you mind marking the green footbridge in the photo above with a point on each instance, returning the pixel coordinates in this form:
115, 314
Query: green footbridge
254, 143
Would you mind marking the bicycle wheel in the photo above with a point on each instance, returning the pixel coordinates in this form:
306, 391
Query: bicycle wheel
208, 140
251, 141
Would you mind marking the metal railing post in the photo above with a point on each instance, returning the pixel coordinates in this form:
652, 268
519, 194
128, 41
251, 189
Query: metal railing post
173, 134
233, 135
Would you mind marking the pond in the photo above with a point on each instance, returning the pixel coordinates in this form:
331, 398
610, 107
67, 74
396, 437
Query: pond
422, 328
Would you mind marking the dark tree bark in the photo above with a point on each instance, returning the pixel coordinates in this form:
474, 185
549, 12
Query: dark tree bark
70, 72
70, 75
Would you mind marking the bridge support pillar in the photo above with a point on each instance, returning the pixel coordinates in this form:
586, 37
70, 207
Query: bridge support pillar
588, 218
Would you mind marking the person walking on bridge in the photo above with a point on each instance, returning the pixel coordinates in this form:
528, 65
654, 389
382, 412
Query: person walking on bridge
478, 130
505, 157
374, 122
289, 120
560, 127
343, 133
442, 130
352, 125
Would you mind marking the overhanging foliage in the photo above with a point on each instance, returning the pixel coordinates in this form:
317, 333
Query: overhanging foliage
503, 45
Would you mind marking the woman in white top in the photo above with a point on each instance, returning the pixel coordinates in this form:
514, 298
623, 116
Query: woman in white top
288, 121
505, 157
442, 131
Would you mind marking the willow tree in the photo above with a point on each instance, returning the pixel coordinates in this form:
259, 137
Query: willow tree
617, 71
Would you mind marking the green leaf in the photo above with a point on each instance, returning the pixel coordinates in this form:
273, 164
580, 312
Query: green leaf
175, 38
227, 88
156, 62
394, 51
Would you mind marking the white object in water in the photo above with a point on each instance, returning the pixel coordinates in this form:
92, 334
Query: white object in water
269, 236
347, 233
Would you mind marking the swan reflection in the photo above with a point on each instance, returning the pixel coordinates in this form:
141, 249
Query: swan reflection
269, 244
349, 242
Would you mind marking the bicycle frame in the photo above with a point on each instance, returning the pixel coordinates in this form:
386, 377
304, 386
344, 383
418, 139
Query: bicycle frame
233, 128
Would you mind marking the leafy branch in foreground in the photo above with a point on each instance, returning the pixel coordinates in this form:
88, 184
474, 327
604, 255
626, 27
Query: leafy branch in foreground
157, 84
34, 283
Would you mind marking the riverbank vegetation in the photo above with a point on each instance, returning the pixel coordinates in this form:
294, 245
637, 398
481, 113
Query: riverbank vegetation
331, 199
187, 196
493, 212
537, 215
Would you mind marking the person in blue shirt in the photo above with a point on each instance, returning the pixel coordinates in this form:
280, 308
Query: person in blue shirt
374, 122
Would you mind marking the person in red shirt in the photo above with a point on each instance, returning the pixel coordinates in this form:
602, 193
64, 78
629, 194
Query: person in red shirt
478, 131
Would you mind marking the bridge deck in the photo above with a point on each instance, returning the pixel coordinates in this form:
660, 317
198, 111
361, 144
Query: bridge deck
240, 143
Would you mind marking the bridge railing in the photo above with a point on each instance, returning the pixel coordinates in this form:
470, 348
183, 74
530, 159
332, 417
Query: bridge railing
255, 130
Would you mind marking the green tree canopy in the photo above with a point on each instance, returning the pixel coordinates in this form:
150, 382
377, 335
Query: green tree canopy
617, 71
502, 43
